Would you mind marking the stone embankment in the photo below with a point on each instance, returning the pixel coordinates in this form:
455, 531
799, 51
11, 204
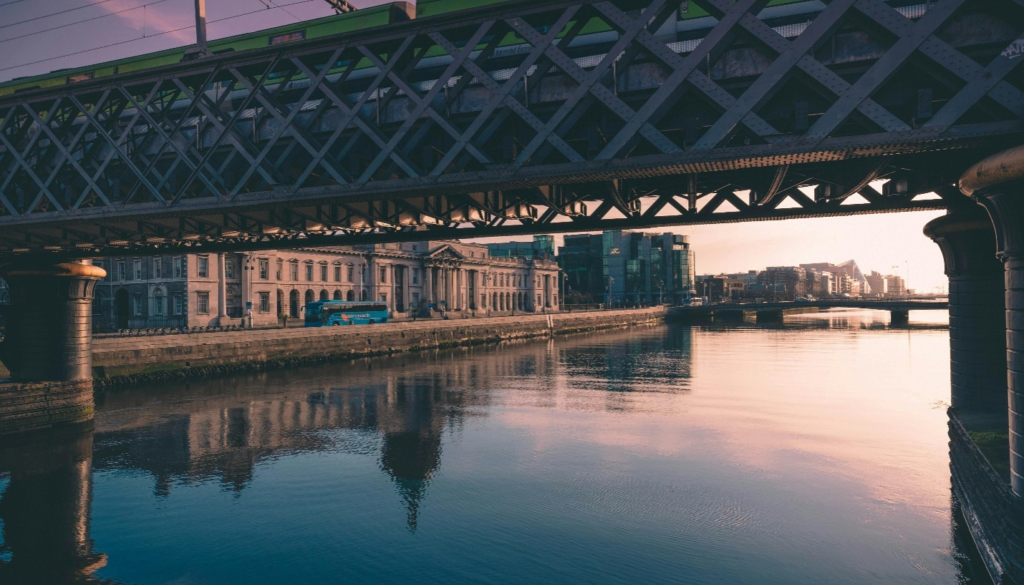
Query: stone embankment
134, 360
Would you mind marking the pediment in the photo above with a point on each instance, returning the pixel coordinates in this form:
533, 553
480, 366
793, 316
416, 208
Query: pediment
446, 252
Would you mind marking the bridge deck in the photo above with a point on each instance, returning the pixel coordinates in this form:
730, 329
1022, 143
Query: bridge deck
527, 116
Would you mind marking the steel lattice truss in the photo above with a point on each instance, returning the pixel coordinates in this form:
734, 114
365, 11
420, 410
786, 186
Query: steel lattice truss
522, 117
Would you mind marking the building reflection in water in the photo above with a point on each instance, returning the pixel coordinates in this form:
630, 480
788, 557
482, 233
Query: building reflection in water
45, 506
398, 408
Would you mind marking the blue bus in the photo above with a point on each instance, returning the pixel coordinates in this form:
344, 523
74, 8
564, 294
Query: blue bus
326, 313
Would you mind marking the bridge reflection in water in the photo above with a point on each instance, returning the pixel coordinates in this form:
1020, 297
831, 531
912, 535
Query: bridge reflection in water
396, 410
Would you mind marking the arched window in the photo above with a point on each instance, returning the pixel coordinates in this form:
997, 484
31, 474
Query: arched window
337, 295
323, 293
494, 302
350, 295
310, 297
293, 301
363, 295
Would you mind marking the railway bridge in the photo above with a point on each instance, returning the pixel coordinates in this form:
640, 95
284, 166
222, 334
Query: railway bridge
526, 117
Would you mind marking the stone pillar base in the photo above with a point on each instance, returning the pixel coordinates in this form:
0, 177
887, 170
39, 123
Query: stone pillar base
39, 406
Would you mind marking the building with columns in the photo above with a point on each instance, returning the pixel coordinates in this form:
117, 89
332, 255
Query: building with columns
421, 279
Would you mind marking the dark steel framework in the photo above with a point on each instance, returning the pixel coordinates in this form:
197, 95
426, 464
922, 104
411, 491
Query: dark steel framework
521, 117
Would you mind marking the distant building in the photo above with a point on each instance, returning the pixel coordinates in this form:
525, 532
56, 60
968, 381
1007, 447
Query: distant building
5, 295
540, 247
848, 268
877, 284
721, 287
790, 281
620, 267
411, 278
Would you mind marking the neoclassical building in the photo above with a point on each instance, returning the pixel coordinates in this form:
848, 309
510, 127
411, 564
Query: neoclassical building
413, 279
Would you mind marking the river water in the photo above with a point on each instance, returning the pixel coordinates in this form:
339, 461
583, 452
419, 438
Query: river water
809, 452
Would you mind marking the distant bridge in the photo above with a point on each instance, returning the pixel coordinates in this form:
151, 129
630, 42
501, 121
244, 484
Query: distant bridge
899, 308
528, 116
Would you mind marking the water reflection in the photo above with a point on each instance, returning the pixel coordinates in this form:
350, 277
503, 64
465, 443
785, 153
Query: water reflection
624, 457
45, 500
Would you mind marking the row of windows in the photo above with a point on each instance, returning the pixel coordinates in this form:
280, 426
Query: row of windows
138, 304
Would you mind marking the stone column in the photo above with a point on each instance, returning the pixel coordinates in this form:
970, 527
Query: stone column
49, 327
428, 284
222, 291
996, 183
48, 347
977, 322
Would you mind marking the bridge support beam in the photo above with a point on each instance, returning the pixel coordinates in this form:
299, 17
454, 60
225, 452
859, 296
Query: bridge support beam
48, 347
977, 320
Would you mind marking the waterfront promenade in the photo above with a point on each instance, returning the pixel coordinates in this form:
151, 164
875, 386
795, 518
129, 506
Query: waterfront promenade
157, 356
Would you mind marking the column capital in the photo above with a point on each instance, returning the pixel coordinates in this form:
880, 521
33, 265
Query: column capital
967, 241
996, 183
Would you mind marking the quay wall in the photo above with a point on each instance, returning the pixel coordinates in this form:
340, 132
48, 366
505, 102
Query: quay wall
132, 360
994, 516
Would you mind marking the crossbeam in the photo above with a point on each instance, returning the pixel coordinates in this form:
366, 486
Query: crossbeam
521, 117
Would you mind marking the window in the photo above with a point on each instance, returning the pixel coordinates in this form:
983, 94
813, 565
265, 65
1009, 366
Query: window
483, 300
415, 275
158, 268
383, 297
362, 274
137, 305
229, 268
265, 270
203, 303
179, 304
351, 272
415, 299
294, 265
264, 302
120, 271
383, 274
80, 77
280, 268
309, 272
288, 37
137, 269
337, 273
323, 272
203, 268
177, 267
158, 304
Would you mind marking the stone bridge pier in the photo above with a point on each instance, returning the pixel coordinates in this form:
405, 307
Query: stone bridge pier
993, 506
48, 346
977, 321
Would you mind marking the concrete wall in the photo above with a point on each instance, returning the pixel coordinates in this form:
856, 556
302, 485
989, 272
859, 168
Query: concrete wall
140, 355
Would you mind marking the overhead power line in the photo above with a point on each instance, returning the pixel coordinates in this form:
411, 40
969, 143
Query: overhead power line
52, 14
77, 22
166, 32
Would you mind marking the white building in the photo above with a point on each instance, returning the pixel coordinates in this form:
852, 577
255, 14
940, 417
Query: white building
413, 279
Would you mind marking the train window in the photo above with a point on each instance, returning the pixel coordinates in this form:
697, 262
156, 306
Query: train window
288, 37
79, 77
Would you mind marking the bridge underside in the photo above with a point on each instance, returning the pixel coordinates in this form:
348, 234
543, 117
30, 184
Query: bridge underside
523, 117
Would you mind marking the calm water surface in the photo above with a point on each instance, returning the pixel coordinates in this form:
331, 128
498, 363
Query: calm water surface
811, 452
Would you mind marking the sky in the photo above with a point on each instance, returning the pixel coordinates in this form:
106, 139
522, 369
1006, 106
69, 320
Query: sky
92, 31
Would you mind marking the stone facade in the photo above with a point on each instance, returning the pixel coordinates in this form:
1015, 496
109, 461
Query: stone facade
414, 279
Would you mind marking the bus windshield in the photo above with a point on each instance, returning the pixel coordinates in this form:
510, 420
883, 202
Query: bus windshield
314, 313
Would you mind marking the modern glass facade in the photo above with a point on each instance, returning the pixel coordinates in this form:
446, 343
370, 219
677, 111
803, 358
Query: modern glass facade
628, 268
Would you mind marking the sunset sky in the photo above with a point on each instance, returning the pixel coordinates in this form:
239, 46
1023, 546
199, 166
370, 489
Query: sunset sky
91, 31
